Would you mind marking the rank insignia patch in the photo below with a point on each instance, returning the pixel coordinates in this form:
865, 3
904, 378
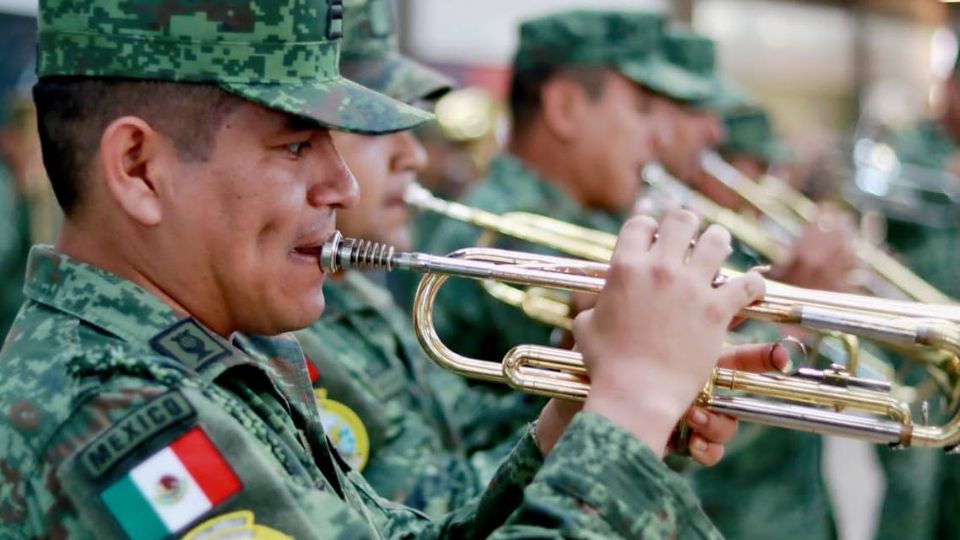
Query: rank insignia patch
189, 343
345, 430
164, 493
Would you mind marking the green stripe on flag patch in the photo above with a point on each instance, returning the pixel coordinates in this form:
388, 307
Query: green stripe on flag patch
132, 510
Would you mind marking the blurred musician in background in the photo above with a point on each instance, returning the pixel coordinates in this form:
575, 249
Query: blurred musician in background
934, 145
581, 95
28, 211
417, 433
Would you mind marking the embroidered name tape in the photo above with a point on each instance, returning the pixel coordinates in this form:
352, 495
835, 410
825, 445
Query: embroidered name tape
140, 425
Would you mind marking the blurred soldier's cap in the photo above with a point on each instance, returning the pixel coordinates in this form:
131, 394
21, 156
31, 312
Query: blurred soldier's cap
282, 54
697, 55
628, 42
750, 133
371, 55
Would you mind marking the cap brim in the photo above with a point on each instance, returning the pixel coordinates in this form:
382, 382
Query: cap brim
338, 104
724, 97
399, 77
667, 79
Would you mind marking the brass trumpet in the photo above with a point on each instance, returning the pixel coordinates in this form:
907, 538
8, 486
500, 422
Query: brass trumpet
830, 402
890, 274
549, 307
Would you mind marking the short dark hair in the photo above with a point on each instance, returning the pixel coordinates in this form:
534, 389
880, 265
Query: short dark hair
526, 87
72, 113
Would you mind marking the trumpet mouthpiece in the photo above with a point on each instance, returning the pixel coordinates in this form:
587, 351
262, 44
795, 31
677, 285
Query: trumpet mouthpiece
339, 253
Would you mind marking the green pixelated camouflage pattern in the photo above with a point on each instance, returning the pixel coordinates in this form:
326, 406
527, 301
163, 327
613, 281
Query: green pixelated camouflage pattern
278, 53
371, 55
90, 350
468, 319
750, 133
628, 42
925, 144
14, 246
696, 54
434, 442
935, 259
769, 482
369, 30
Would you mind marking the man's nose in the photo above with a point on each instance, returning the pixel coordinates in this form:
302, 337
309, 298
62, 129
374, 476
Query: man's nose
718, 132
410, 155
333, 183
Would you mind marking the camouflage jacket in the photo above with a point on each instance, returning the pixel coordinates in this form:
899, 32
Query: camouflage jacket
418, 434
470, 321
926, 144
14, 246
125, 419
769, 482
933, 260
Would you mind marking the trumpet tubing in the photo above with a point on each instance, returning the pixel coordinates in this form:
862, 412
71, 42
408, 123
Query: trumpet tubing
790, 218
829, 402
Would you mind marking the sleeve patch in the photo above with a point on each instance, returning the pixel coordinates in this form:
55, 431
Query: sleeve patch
142, 424
234, 526
170, 489
345, 430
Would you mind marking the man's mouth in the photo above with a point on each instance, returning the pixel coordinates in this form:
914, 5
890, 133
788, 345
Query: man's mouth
309, 247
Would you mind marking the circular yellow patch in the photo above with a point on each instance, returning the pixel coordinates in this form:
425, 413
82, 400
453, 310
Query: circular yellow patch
345, 430
237, 525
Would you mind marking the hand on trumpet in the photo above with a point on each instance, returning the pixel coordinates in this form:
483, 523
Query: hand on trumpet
711, 431
823, 256
656, 332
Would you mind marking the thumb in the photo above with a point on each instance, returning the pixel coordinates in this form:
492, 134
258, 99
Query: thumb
755, 358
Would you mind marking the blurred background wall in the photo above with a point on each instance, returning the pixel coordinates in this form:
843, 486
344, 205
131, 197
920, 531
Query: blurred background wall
819, 65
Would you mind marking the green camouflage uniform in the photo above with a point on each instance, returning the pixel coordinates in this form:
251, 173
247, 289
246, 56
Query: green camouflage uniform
14, 245
470, 321
929, 481
125, 419
99, 377
769, 483
418, 434
927, 145
750, 133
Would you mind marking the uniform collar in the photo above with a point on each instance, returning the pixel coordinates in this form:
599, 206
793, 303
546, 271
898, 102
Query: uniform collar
121, 308
527, 189
112, 304
352, 294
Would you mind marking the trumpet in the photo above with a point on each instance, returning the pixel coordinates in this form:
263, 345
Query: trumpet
891, 275
743, 229
550, 307
830, 402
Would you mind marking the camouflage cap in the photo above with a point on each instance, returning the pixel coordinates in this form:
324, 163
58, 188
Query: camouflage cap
371, 56
282, 54
625, 41
750, 133
697, 55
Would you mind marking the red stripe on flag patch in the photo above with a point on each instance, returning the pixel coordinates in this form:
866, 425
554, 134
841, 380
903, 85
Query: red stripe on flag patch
207, 466
312, 371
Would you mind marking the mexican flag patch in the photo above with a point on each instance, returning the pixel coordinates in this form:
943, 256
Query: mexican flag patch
171, 488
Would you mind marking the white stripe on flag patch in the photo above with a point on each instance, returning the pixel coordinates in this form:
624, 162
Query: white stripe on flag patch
170, 489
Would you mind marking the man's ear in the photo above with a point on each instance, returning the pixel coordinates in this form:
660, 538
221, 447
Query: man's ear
563, 105
129, 147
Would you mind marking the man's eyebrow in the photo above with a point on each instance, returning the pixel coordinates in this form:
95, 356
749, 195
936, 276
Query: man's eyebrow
297, 124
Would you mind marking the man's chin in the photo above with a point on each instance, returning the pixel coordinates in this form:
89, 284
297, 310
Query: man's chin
295, 316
